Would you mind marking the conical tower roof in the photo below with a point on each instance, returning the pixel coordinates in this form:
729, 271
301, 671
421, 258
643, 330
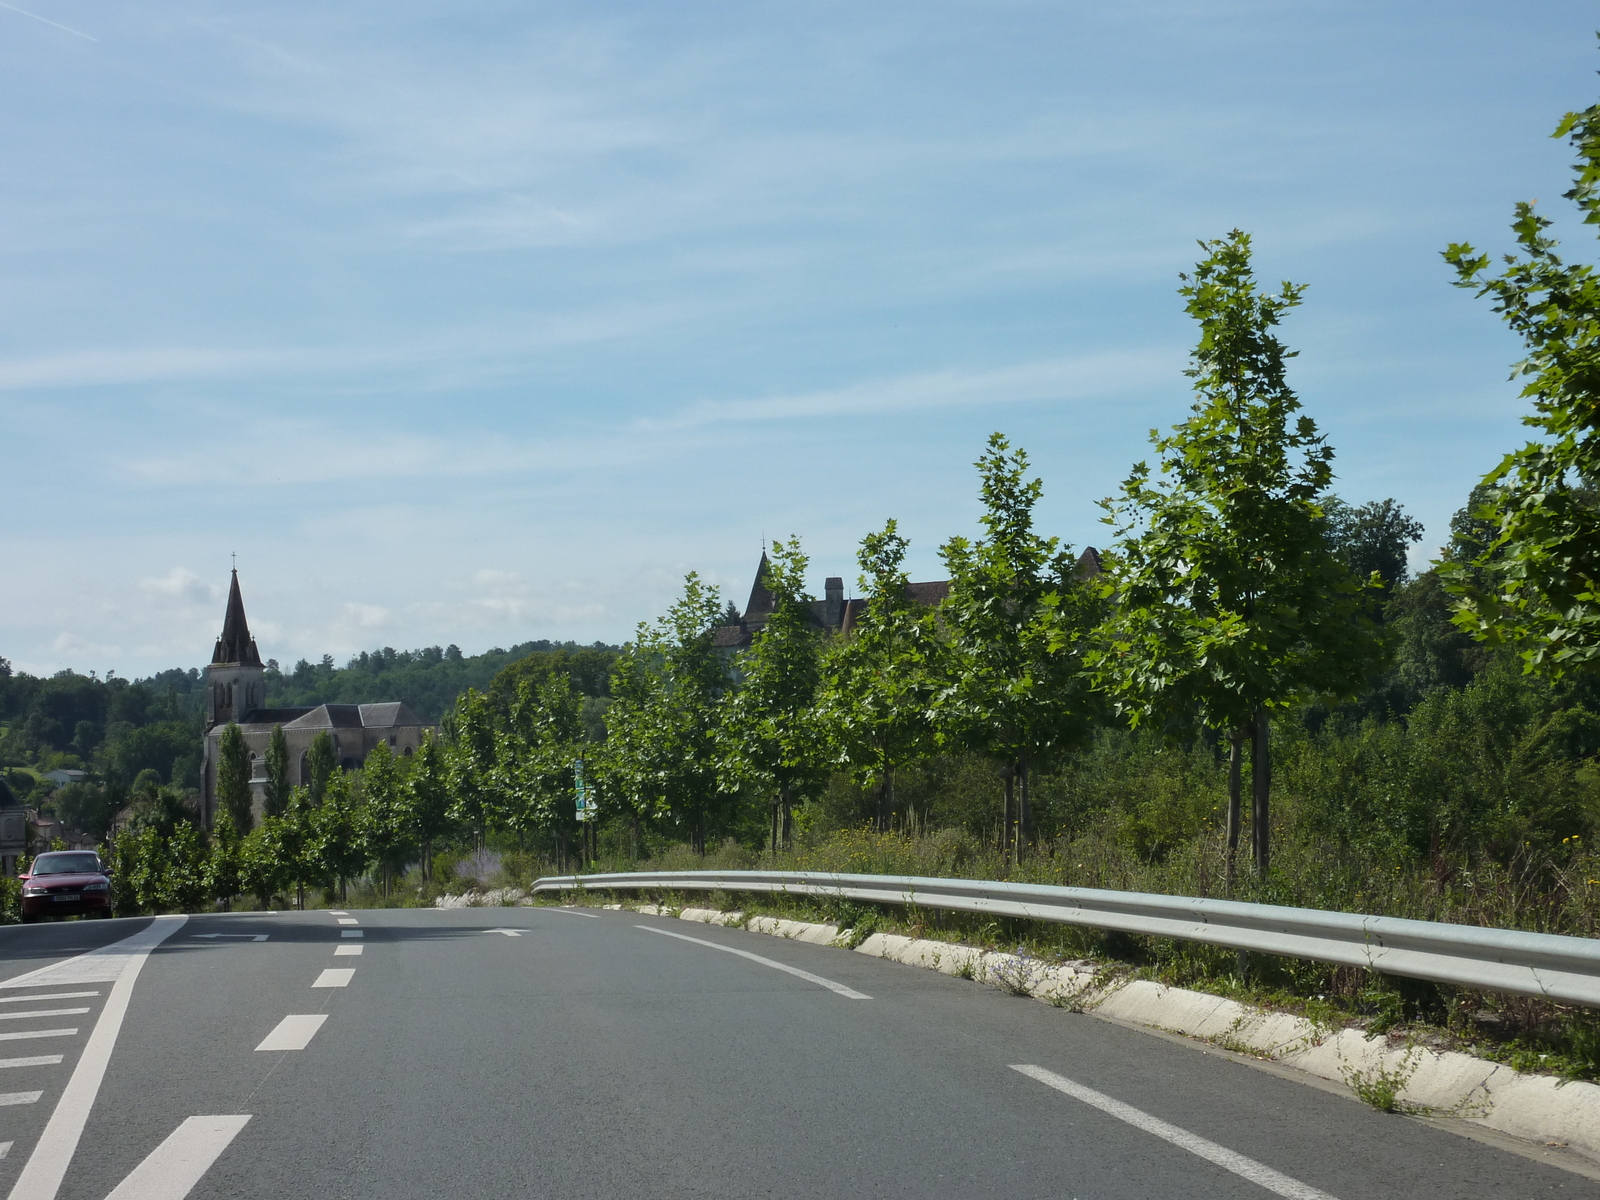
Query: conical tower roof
761, 603
236, 645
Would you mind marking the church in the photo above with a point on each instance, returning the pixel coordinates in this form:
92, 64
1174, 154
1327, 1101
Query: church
236, 692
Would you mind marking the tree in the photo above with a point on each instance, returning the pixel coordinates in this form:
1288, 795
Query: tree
233, 777
390, 822
321, 762
1229, 601
1536, 585
532, 776
1374, 538
430, 799
665, 715
275, 796
338, 846
472, 762
224, 867
880, 683
1017, 619
772, 738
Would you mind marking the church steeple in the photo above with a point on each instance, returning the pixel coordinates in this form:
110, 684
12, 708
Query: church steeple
236, 645
236, 681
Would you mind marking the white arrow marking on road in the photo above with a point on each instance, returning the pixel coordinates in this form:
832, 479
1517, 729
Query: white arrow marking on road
507, 932
254, 937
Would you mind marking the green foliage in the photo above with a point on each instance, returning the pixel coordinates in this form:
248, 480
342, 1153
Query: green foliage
321, 762
660, 761
879, 686
233, 777
1536, 585
275, 796
772, 740
1017, 620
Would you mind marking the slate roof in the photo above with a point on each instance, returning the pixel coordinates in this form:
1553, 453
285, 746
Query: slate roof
394, 714
236, 645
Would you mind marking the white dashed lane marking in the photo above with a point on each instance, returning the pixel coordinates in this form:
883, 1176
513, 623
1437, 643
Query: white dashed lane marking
19, 1097
353, 933
334, 977
42, 1012
21, 1035
47, 996
1229, 1160
348, 921
293, 1032
338, 950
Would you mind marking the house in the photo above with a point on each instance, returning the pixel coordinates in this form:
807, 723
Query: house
63, 776
236, 693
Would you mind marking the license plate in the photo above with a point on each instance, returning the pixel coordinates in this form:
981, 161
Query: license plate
58, 899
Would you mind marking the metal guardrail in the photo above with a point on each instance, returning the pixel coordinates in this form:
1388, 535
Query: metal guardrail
1499, 960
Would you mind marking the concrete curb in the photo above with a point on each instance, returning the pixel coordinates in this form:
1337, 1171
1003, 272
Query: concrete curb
1538, 1109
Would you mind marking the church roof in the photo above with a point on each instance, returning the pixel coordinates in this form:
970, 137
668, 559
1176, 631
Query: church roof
391, 715
236, 645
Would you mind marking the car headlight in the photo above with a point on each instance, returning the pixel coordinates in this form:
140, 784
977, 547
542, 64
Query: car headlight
33, 891
96, 887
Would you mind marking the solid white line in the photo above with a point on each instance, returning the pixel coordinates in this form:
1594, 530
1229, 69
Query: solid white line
48, 996
848, 993
19, 1097
42, 1012
174, 1167
352, 933
37, 1033
338, 950
52, 1154
334, 977
576, 912
348, 921
1229, 1160
293, 1033
33, 1060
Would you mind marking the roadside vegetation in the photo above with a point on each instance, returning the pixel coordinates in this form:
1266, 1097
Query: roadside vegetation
1249, 694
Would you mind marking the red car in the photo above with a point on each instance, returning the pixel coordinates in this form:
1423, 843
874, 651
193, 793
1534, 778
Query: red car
64, 882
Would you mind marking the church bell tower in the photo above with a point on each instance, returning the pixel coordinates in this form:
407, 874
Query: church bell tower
236, 682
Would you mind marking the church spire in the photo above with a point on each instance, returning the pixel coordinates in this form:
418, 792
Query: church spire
236, 645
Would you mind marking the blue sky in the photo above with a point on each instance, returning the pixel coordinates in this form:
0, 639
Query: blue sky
481, 322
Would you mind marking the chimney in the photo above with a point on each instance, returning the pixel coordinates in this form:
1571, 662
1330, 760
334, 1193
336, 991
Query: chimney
833, 605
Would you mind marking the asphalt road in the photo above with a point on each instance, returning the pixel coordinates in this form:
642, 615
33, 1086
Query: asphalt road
591, 1056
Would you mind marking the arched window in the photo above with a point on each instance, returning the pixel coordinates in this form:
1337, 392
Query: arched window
406, 753
305, 768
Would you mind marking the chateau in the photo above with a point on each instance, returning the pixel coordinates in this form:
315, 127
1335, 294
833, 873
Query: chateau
835, 614
236, 691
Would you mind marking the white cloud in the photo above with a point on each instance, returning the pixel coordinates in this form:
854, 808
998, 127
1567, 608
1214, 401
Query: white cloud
180, 583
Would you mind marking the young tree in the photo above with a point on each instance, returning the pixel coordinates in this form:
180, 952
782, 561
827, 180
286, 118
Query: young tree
1016, 619
275, 796
338, 848
391, 824
1229, 600
880, 683
472, 761
233, 777
772, 738
665, 713
430, 799
321, 762
1536, 585
534, 752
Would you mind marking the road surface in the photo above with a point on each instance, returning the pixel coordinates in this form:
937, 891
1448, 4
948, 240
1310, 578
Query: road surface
534, 1052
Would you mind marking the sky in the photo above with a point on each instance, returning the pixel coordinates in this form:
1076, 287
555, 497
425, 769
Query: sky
480, 322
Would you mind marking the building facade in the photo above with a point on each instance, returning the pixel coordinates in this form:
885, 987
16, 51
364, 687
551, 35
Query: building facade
236, 693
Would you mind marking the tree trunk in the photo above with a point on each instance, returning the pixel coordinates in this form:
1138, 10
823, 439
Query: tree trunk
883, 803
775, 804
1007, 824
1024, 809
1260, 788
1235, 754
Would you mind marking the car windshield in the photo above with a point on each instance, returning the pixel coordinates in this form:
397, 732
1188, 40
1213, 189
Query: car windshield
67, 864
